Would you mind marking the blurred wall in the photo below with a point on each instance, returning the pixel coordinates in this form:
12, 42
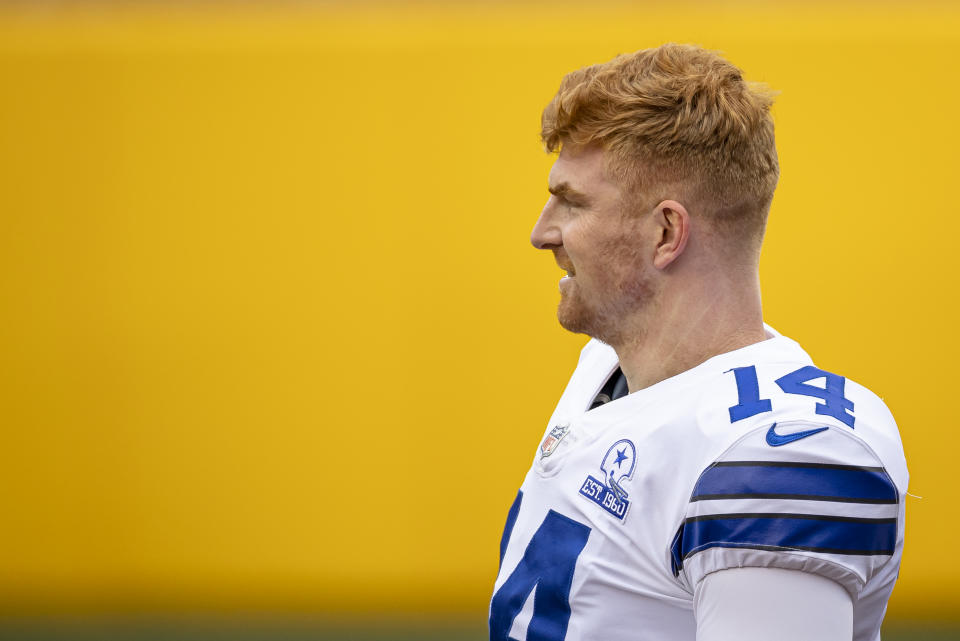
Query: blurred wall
273, 336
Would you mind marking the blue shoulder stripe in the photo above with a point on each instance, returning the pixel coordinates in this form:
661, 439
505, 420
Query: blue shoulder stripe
813, 533
790, 480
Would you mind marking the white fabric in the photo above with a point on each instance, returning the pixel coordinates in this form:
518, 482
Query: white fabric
834, 447
627, 583
760, 604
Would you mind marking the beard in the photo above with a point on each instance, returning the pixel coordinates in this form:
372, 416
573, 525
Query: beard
611, 311
613, 290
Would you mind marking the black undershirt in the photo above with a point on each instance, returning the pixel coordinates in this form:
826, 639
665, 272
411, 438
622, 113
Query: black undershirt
614, 388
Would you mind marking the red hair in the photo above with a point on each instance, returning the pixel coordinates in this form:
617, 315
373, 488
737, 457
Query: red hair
679, 122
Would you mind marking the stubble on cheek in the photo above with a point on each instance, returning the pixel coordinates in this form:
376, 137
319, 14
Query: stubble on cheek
619, 287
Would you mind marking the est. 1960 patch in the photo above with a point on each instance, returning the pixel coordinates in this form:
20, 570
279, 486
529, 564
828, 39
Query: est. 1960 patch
617, 466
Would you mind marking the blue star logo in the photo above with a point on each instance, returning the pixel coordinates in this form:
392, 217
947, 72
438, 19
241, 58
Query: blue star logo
621, 457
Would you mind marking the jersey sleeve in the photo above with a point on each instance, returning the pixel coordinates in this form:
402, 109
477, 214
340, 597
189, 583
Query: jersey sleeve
797, 495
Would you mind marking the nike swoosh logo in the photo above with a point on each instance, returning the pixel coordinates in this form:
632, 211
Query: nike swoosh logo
776, 440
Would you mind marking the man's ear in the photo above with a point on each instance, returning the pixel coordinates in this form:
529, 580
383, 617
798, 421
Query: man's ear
673, 224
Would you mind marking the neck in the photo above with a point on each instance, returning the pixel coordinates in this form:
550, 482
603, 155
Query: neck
688, 327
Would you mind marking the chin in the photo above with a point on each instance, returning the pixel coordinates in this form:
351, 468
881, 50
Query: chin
578, 318
575, 317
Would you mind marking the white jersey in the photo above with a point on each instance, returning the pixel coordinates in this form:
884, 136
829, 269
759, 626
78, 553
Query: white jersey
754, 458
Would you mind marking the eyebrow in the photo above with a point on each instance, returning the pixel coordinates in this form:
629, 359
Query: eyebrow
564, 190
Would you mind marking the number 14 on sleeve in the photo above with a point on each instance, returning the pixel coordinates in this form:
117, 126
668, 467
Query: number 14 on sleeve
834, 403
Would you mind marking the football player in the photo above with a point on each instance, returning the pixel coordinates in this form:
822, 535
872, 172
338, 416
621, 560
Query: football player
700, 477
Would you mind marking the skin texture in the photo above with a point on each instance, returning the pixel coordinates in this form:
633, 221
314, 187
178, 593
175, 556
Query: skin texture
651, 279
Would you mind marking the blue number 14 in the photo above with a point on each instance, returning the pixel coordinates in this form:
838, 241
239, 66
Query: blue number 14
547, 565
834, 404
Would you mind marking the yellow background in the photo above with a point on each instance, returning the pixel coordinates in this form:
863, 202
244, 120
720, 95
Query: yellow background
272, 333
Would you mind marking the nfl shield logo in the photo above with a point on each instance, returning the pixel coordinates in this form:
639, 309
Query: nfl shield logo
553, 439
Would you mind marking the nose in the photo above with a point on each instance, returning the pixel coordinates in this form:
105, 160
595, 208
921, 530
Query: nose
546, 234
